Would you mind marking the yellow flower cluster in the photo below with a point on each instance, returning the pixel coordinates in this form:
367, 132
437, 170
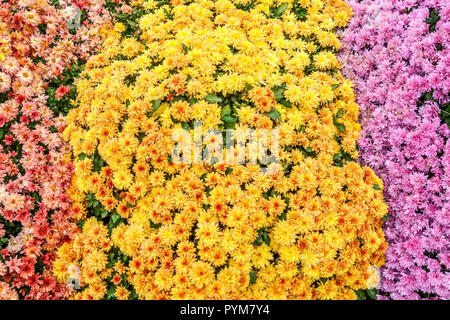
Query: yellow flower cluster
153, 229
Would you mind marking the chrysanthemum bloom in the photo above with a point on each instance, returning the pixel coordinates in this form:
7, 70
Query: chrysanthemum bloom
156, 229
62, 91
5, 82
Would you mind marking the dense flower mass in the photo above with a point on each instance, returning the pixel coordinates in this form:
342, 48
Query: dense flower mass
40, 52
154, 229
101, 199
398, 54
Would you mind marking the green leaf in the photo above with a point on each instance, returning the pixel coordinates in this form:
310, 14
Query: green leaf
340, 127
104, 213
253, 277
266, 238
278, 92
110, 295
115, 217
98, 164
226, 111
156, 104
154, 225
168, 15
280, 10
274, 114
360, 294
82, 156
299, 11
212, 98
80, 224
428, 96
230, 125
285, 103
157, 110
372, 293
335, 86
185, 48
432, 19
258, 241
228, 118
376, 187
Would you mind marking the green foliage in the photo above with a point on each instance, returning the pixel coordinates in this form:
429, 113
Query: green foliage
339, 126
67, 78
277, 12
433, 19
212, 98
445, 113
253, 277
263, 237
299, 11
340, 158
370, 294
274, 114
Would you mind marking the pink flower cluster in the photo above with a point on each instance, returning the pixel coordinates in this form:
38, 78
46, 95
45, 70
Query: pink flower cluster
397, 52
38, 42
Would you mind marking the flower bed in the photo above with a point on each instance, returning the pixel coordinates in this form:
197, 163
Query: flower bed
136, 197
154, 229
42, 52
397, 53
